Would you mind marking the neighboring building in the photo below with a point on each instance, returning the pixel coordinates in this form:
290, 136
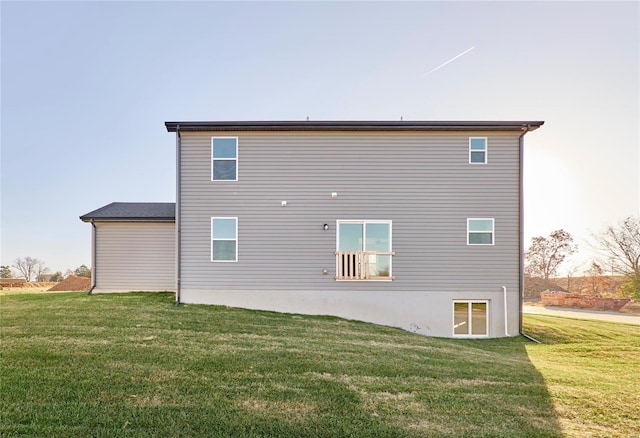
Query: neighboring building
416, 225
133, 247
44, 278
12, 282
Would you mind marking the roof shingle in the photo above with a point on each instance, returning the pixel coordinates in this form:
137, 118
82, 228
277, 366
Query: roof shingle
134, 211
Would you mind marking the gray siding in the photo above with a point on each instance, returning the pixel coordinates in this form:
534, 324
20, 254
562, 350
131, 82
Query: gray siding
135, 256
421, 181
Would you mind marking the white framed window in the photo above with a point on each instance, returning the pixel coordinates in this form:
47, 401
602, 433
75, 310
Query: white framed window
480, 231
224, 239
363, 250
471, 318
224, 158
478, 150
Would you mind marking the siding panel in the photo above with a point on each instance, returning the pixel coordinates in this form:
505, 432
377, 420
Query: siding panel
422, 182
135, 256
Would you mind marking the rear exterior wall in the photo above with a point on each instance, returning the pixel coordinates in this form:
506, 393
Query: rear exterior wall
135, 256
422, 182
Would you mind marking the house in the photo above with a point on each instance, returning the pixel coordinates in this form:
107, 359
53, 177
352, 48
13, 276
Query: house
133, 247
415, 225
44, 278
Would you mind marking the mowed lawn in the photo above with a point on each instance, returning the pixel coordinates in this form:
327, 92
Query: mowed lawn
135, 365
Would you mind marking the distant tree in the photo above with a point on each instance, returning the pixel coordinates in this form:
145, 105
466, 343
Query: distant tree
41, 270
631, 288
5, 272
620, 244
68, 272
571, 272
83, 271
546, 254
29, 267
596, 279
57, 277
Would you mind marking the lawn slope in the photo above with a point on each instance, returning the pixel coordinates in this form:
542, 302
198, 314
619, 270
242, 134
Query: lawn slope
136, 365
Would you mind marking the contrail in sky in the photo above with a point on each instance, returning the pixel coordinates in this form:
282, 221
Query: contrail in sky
451, 60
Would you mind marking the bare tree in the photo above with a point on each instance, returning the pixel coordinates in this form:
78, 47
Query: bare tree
41, 269
29, 267
545, 254
620, 244
571, 273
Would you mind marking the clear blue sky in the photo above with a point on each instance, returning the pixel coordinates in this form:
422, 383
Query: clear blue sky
86, 87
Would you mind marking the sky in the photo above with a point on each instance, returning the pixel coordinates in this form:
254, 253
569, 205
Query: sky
87, 86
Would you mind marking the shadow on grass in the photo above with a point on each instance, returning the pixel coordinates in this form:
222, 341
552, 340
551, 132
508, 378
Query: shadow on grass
135, 365
508, 395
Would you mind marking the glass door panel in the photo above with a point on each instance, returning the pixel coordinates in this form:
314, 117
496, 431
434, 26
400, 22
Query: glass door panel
377, 239
350, 237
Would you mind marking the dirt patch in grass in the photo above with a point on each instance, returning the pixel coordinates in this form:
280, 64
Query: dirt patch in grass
72, 283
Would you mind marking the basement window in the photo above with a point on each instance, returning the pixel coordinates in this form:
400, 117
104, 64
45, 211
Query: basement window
470, 318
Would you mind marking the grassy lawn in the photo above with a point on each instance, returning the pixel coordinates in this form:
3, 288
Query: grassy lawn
592, 373
135, 365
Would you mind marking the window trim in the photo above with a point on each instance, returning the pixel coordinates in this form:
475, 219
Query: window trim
493, 231
364, 222
486, 150
224, 159
236, 239
469, 318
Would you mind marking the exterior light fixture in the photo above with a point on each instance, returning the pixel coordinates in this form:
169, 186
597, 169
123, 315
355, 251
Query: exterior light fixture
325, 227
284, 203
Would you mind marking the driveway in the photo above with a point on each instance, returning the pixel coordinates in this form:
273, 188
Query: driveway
566, 312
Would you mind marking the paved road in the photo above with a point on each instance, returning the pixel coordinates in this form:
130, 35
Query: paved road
582, 314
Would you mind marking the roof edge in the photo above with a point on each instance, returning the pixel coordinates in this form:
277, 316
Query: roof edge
353, 125
86, 218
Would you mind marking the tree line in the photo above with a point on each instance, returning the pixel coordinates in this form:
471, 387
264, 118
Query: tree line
618, 248
33, 269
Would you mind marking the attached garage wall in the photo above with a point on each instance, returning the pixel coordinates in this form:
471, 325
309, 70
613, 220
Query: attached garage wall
135, 256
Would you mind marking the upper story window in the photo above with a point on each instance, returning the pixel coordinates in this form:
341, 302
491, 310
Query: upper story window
477, 150
224, 159
224, 239
363, 250
480, 231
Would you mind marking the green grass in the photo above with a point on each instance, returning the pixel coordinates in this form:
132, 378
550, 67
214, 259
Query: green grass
592, 373
135, 365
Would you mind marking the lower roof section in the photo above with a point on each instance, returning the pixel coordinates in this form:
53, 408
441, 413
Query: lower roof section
353, 126
133, 212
